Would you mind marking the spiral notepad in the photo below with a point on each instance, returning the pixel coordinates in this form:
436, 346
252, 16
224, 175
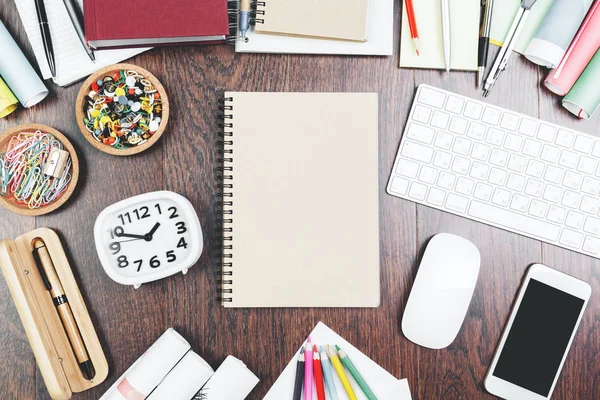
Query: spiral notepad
300, 200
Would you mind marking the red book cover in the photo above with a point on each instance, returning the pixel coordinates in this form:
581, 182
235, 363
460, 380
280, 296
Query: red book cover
120, 23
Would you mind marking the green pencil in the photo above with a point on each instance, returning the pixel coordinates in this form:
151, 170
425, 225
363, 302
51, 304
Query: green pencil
355, 374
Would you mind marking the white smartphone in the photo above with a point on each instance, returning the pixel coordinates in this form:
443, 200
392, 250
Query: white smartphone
536, 340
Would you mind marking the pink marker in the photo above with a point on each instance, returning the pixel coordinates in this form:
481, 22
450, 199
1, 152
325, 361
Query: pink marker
308, 370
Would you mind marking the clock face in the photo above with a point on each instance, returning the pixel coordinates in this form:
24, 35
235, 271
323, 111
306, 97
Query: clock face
148, 237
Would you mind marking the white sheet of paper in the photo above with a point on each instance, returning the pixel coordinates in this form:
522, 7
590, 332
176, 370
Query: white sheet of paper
231, 381
72, 61
384, 385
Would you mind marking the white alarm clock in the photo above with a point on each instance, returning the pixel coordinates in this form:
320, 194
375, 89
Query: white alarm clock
148, 237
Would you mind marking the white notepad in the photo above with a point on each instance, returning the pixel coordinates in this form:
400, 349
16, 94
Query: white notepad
72, 61
383, 384
380, 38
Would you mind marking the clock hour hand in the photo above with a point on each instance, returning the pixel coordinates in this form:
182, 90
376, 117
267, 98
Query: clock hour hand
148, 236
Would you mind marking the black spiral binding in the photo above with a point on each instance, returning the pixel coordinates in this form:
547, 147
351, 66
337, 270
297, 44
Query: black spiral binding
225, 202
233, 8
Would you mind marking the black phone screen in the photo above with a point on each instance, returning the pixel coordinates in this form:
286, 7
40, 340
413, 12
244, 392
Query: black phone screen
538, 338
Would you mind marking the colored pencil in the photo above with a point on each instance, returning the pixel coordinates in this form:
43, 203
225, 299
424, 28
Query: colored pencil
337, 365
308, 371
318, 374
328, 376
355, 374
299, 376
412, 23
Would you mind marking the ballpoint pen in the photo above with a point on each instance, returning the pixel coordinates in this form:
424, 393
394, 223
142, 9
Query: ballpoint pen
446, 33
77, 20
245, 9
484, 39
40, 8
509, 44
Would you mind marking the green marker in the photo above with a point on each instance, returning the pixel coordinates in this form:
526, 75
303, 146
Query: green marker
355, 374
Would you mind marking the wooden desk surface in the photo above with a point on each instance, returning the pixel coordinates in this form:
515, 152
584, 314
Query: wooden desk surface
128, 321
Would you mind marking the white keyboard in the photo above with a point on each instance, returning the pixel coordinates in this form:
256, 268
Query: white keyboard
501, 168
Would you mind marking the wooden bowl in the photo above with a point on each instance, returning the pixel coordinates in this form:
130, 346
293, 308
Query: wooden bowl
9, 202
80, 112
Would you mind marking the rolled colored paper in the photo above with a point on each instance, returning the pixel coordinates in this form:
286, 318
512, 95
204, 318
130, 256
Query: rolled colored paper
150, 369
8, 101
583, 100
185, 380
580, 52
18, 74
556, 32
232, 381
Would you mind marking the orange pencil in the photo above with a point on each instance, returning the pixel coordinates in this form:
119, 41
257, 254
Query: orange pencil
412, 23
318, 374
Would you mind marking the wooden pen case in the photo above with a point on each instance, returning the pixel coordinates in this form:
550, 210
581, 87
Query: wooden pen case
44, 329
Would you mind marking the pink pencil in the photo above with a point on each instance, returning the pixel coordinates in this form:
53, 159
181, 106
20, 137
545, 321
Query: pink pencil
308, 370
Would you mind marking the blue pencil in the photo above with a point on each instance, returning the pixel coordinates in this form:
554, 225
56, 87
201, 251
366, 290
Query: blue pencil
328, 375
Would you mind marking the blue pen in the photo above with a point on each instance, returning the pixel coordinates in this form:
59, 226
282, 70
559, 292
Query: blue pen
328, 375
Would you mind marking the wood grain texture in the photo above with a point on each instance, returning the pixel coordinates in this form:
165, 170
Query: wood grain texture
129, 321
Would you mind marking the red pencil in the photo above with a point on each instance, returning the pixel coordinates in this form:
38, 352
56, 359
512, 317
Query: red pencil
318, 374
412, 23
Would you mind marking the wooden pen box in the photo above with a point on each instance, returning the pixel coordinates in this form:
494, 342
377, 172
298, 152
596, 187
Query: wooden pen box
47, 336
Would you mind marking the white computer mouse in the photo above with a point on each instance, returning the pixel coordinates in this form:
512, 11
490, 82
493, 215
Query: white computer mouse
442, 291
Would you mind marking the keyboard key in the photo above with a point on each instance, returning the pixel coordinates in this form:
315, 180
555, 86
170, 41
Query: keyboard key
458, 125
501, 197
517, 222
528, 127
550, 153
407, 168
591, 245
436, 197
476, 131
571, 238
572, 180
535, 168
473, 110
455, 104
554, 174
491, 116
510, 122
427, 174
596, 149
534, 188
462, 146
457, 203
464, 185
586, 165
421, 113
568, 159
519, 203
590, 186
574, 220
461, 165
420, 133
532, 148
589, 205
446, 180
592, 225
515, 182
431, 97
546, 133
480, 152
483, 191
513, 142
417, 191
583, 144
565, 138
538, 208
417, 152
440, 119
479, 171
443, 140
498, 157
552, 193
571, 199
556, 214
517, 163
442, 160
399, 186
495, 137
497, 177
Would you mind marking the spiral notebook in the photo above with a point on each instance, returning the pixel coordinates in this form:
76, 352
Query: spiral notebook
325, 19
300, 200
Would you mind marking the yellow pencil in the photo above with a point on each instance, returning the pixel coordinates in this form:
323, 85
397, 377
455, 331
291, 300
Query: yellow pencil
337, 365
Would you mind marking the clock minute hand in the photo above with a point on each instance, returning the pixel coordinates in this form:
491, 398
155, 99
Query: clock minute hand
123, 234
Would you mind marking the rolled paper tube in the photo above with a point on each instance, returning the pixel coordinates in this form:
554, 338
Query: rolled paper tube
8, 101
583, 100
232, 381
556, 32
580, 52
185, 380
18, 73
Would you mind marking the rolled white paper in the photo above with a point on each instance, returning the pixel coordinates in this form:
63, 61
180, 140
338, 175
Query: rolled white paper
18, 74
150, 369
185, 380
232, 381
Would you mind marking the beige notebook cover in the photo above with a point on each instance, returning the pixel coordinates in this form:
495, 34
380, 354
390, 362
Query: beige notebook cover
301, 218
325, 19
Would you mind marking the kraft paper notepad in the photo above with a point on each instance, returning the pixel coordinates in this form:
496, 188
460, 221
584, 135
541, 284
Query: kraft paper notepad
464, 25
327, 19
300, 200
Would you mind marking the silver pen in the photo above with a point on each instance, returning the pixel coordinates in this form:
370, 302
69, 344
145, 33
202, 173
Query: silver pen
446, 33
245, 10
484, 39
77, 20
